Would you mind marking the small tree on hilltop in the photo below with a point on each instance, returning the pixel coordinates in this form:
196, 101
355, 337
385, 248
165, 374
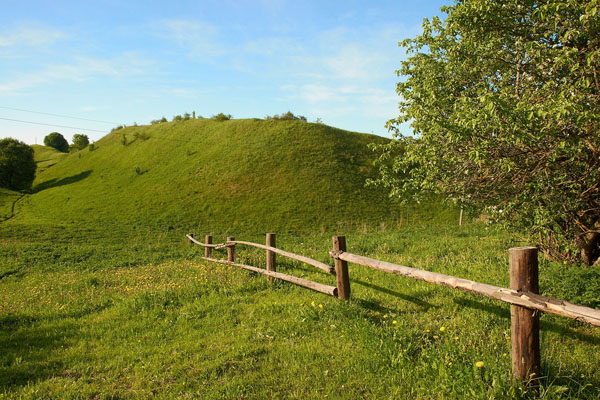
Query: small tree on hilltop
504, 101
17, 166
57, 141
80, 141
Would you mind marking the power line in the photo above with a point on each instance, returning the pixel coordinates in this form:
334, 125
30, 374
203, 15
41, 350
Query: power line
58, 115
56, 126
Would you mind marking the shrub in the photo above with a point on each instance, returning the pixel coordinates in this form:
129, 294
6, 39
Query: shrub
57, 141
80, 141
17, 167
177, 118
288, 116
221, 117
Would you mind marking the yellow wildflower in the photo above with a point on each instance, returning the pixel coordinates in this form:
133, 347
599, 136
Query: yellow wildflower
394, 322
312, 303
320, 305
455, 337
479, 364
442, 329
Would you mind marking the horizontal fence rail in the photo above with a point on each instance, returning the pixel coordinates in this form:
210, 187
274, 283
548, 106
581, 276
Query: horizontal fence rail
270, 271
523, 299
319, 287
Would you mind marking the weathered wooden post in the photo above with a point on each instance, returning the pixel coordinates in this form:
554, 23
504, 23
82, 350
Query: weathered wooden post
341, 268
191, 235
207, 250
271, 242
524, 322
230, 250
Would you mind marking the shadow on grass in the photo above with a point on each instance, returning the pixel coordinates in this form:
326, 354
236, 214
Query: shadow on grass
503, 311
61, 182
425, 305
27, 350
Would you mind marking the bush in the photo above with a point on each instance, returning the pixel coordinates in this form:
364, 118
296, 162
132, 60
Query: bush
80, 141
17, 167
288, 116
221, 117
57, 141
177, 118
118, 128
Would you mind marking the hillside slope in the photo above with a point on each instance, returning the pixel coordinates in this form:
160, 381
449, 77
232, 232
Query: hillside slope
237, 175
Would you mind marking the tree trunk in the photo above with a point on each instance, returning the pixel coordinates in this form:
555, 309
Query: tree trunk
590, 247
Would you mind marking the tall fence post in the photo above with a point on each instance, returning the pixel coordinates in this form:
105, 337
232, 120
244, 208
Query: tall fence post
190, 240
207, 250
524, 322
231, 250
271, 263
341, 268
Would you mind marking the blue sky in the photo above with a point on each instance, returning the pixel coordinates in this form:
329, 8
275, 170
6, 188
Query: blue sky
133, 61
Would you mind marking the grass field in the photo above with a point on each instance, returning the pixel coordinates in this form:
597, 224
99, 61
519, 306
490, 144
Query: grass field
101, 296
85, 314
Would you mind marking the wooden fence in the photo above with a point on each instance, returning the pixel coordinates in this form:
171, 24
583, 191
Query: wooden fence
523, 295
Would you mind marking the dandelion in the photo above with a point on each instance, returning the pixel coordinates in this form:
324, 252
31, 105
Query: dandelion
321, 306
450, 364
435, 336
504, 354
427, 331
394, 322
442, 329
507, 337
479, 364
456, 338
385, 316
312, 303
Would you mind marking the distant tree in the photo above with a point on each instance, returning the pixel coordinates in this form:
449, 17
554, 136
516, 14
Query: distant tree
186, 116
57, 141
221, 117
17, 167
177, 118
163, 119
80, 141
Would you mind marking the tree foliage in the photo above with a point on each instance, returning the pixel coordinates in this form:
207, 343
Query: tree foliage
80, 141
57, 141
503, 98
17, 166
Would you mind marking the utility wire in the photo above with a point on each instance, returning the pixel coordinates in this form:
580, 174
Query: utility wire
56, 126
58, 115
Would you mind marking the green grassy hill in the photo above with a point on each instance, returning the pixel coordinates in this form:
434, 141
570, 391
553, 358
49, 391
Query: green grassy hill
238, 176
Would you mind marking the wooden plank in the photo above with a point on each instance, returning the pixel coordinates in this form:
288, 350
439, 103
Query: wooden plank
524, 321
319, 287
208, 250
271, 261
524, 299
230, 250
327, 268
341, 268
214, 246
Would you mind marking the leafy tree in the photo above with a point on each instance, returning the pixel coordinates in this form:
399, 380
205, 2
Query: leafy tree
503, 98
80, 141
17, 167
57, 141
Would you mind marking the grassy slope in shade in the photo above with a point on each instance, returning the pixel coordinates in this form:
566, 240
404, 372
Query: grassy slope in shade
236, 176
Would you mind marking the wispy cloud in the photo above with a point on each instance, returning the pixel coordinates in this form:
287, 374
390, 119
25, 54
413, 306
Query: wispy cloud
198, 38
29, 37
79, 70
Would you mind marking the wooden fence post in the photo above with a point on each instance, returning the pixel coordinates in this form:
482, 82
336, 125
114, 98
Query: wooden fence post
231, 250
524, 322
271, 265
207, 250
341, 269
190, 240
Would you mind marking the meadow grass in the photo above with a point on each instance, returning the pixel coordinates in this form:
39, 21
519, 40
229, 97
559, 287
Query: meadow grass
88, 314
